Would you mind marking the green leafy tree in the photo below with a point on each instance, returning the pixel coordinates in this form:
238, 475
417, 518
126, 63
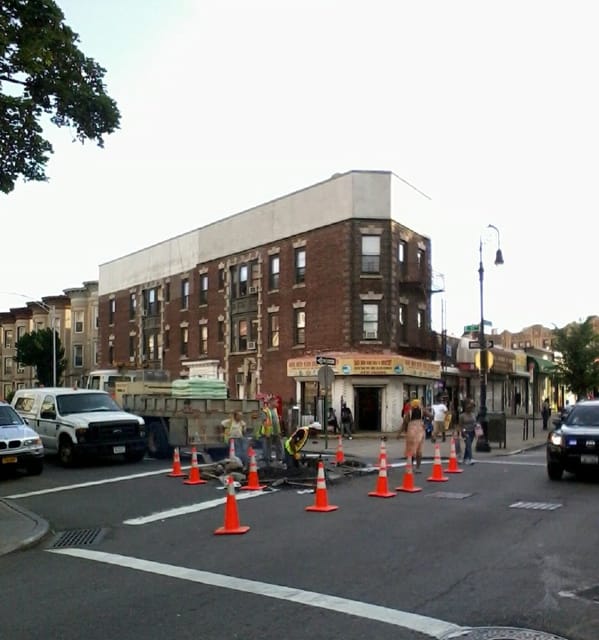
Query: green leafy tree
35, 349
42, 71
579, 368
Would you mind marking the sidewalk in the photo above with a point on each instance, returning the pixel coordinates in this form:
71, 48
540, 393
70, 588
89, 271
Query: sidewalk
20, 528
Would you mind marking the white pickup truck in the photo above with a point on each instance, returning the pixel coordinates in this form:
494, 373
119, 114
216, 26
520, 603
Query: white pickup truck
79, 422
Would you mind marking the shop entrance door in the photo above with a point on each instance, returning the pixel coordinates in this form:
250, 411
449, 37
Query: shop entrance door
367, 402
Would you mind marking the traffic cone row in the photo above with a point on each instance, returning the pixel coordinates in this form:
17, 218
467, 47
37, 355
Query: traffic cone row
194, 472
408, 479
453, 460
231, 525
176, 472
437, 474
321, 502
339, 456
382, 485
253, 484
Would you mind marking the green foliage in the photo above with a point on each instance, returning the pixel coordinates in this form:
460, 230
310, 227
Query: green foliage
579, 368
43, 71
35, 349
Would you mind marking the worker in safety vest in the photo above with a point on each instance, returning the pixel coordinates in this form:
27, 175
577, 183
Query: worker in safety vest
296, 441
268, 432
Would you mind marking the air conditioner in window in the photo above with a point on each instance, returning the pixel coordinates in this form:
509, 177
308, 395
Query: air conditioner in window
252, 290
131, 358
251, 345
370, 335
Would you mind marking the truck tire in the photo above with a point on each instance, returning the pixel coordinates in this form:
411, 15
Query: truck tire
66, 452
158, 445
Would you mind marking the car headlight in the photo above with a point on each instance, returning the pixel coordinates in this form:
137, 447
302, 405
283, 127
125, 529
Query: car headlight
556, 439
30, 442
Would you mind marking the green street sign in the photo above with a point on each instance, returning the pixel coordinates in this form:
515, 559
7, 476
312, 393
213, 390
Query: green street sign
469, 328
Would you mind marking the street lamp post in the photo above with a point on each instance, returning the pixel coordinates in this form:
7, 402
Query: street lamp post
482, 444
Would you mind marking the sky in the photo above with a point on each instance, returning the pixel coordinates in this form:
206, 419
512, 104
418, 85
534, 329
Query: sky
491, 109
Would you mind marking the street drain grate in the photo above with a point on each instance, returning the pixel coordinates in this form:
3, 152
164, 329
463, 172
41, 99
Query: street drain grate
78, 538
451, 495
502, 633
539, 506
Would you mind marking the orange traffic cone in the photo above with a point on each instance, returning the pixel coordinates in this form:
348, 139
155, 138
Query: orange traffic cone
253, 483
231, 516
176, 472
322, 502
231, 448
194, 472
437, 475
339, 457
408, 479
382, 487
453, 460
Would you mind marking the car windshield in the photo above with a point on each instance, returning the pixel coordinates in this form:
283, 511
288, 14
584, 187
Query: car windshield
583, 416
9, 417
85, 403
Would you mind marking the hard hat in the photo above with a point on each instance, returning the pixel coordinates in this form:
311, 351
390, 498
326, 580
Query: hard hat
316, 425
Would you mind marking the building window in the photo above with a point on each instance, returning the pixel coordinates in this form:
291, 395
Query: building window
203, 340
221, 331
132, 306
8, 335
20, 368
7, 390
371, 254
111, 310
21, 331
273, 330
8, 365
204, 288
78, 355
184, 341
96, 318
300, 266
131, 347
221, 279
370, 321
300, 327
150, 346
403, 322
185, 293
96, 353
242, 343
243, 280
420, 319
150, 302
167, 291
401, 252
79, 321
420, 259
273, 272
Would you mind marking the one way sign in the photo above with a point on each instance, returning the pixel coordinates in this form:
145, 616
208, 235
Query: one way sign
326, 360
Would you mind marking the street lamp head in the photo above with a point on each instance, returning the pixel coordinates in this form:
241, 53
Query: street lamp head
499, 257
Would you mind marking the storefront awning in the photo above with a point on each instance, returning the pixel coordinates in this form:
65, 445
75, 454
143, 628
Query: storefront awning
541, 365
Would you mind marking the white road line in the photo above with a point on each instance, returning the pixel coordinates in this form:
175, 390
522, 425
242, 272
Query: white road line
192, 508
431, 627
93, 483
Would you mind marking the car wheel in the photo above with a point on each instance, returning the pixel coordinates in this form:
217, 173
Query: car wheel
158, 446
135, 456
35, 467
555, 471
66, 452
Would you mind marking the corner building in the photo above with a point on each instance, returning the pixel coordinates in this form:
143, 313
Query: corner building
253, 298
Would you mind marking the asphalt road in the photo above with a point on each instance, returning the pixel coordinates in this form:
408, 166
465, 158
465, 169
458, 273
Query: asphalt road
497, 545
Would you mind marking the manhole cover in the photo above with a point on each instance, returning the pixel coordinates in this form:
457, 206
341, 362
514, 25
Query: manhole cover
542, 506
77, 538
451, 495
502, 633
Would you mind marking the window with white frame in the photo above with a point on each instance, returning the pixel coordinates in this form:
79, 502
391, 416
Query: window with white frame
132, 306
184, 341
300, 266
371, 254
403, 322
204, 288
273, 330
111, 310
370, 321
8, 365
273, 272
185, 293
299, 327
8, 338
204, 340
79, 318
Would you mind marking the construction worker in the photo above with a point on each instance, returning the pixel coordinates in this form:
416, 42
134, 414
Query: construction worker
296, 441
269, 432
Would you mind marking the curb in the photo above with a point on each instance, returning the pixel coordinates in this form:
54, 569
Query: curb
41, 528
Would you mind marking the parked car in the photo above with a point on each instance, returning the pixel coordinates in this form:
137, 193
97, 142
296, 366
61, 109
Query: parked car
20, 445
573, 445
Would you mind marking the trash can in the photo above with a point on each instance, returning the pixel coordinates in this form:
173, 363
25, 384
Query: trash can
496, 428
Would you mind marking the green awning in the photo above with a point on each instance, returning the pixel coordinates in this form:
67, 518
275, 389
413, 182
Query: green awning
540, 364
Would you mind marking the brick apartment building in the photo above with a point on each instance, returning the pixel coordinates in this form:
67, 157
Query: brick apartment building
253, 298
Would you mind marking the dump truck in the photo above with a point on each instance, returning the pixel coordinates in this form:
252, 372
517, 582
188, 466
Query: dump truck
182, 422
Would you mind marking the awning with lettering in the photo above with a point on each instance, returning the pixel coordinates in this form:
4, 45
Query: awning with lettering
366, 364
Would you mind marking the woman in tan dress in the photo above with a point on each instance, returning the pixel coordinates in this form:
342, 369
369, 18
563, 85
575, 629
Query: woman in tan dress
413, 426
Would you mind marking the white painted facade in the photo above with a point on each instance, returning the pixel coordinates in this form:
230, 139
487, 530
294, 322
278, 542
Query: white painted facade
355, 194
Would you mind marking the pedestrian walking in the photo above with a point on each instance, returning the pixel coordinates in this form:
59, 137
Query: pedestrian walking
468, 428
546, 413
332, 421
234, 429
347, 421
413, 427
439, 410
